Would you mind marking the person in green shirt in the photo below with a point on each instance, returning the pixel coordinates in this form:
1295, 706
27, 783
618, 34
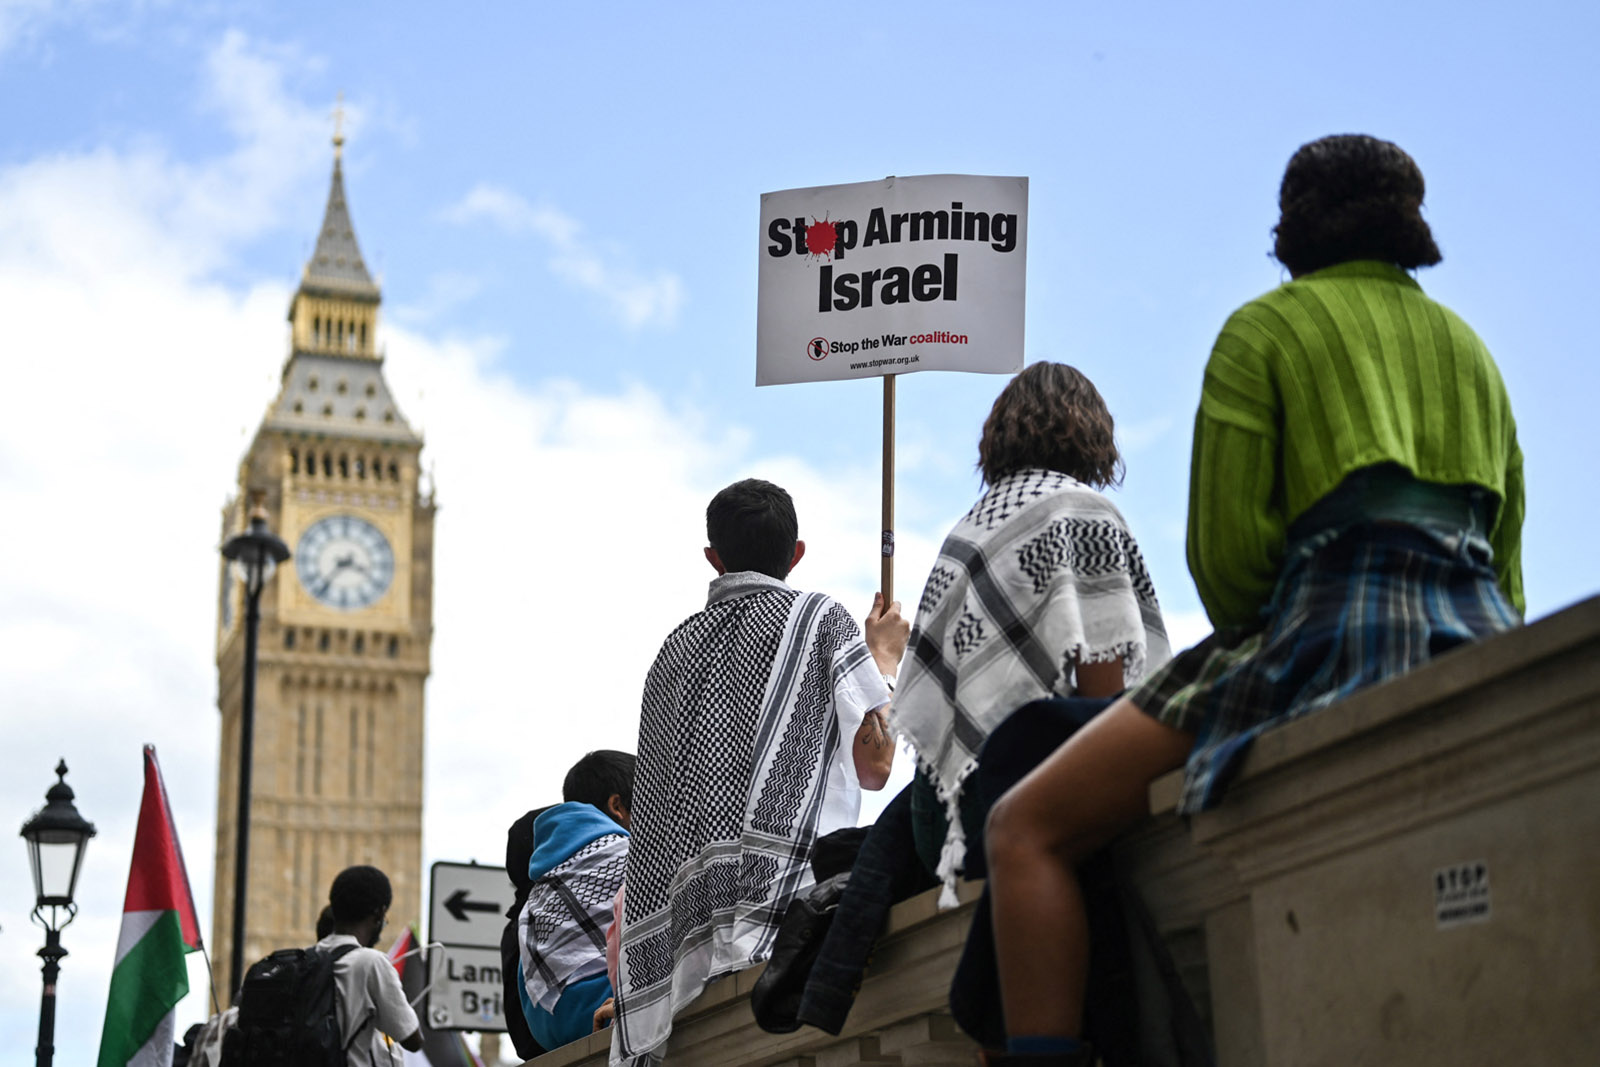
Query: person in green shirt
1356, 505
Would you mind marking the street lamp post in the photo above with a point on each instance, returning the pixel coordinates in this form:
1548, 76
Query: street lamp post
254, 555
56, 836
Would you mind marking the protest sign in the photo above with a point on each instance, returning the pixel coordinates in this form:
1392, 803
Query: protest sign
892, 276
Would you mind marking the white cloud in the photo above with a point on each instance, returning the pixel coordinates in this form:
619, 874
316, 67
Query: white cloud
120, 425
280, 139
568, 536
638, 300
108, 214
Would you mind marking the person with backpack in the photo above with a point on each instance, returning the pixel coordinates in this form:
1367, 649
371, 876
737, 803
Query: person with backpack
372, 1009
336, 1004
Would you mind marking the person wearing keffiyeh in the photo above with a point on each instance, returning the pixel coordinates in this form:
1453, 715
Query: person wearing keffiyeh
1039, 591
580, 855
762, 721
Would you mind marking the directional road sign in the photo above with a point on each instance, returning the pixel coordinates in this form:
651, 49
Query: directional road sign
467, 904
467, 913
465, 990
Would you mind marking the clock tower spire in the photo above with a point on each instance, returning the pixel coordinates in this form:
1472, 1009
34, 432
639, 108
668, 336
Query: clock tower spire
346, 623
335, 309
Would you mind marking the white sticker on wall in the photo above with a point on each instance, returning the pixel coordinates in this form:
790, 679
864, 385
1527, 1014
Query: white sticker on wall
1461, 894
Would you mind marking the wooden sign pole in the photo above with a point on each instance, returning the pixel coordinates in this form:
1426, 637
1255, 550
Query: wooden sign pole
888, 490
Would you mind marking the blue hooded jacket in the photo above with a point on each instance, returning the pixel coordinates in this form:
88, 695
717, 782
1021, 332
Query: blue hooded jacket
558, 834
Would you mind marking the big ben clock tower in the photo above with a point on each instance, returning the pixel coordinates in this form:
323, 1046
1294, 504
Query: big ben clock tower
346, 623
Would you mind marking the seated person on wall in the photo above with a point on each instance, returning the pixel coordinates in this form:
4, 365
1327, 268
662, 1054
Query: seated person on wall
762, 721
1355, 507
1039, 591
580, 853
519, 848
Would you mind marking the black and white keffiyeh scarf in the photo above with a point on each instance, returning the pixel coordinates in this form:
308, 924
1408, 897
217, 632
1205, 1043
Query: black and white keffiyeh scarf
746, 705
1041, 574
562, 927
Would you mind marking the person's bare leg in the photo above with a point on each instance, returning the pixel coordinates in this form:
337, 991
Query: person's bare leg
1089, 790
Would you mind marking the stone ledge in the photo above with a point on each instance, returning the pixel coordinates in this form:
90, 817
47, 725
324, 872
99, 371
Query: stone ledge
1302, 911
1312, 886
898, 1018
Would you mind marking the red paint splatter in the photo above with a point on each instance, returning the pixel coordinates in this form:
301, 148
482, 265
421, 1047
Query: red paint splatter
821, 237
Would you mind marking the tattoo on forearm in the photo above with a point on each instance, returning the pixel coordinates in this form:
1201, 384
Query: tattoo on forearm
876, 732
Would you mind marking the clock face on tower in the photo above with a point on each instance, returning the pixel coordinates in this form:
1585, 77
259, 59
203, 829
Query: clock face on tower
345, 562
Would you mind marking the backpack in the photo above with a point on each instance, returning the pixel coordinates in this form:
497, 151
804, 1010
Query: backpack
288, 1012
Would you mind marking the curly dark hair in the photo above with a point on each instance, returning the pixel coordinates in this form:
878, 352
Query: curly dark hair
1050, 416
359, 892
1351, 196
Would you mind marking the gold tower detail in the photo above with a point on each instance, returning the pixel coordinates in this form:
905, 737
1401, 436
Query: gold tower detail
346, 623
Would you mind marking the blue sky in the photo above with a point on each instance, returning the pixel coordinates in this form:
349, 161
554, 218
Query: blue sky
562, 201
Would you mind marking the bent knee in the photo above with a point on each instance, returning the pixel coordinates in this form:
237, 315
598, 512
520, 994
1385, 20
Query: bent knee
1018, 833
1014, 832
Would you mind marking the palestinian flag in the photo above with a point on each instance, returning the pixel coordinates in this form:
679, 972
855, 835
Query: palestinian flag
159, 928
403, 951
440, 1048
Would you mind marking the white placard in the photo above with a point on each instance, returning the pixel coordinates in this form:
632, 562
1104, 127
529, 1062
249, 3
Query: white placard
891, 277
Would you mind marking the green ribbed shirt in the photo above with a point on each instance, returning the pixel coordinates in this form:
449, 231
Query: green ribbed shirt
1340, 369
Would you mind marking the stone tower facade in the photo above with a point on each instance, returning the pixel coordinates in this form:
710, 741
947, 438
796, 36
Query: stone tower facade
346, 622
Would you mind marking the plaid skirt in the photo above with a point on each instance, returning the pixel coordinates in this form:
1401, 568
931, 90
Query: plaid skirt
1353, 606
